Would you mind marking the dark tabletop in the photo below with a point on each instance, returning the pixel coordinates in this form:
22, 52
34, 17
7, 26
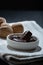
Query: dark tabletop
16, 15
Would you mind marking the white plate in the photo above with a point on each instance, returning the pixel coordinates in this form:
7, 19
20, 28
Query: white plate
36, 30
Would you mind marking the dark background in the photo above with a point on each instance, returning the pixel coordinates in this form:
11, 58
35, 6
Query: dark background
22, 15
20, 10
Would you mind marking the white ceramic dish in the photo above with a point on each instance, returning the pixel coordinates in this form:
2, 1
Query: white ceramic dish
22, 45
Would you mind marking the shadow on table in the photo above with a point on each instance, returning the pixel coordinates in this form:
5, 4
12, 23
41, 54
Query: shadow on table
30, 51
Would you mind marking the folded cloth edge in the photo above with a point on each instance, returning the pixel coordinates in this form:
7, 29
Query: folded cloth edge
13, 60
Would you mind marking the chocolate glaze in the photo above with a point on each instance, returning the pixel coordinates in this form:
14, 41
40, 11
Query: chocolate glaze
25, 37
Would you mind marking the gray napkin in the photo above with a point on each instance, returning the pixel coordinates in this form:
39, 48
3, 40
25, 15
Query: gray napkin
12, 59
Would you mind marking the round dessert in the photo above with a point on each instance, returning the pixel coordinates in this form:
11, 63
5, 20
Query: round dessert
5, 30
2, 20
22, 41
17, 28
